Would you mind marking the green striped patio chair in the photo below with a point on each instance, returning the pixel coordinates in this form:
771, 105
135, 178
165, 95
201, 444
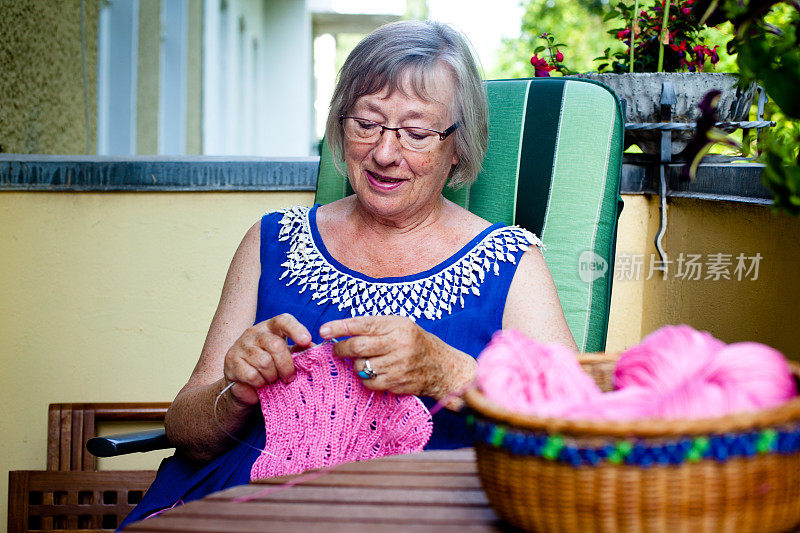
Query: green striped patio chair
553, 167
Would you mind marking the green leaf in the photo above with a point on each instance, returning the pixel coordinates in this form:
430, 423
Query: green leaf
538, 49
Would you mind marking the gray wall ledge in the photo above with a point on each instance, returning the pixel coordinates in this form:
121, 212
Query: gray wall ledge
24, 172
719, 178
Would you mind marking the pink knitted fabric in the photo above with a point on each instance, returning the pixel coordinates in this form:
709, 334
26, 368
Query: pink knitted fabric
326, 417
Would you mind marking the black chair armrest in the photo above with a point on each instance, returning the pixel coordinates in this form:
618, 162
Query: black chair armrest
125, 443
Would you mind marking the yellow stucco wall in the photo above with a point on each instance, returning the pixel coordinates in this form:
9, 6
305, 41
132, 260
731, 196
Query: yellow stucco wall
764, 309
41, 76
107, 296
625, 322
733, 310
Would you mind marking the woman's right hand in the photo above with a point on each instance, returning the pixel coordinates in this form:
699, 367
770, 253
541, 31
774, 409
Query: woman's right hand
261, 355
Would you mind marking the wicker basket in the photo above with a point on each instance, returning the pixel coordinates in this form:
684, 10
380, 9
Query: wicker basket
734, 473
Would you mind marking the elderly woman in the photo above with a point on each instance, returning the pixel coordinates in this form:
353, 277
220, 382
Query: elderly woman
416, 283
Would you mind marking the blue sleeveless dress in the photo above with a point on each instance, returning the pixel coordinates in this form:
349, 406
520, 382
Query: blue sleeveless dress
461, 301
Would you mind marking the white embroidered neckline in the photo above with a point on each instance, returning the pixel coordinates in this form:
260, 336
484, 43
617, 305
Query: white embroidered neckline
428, 296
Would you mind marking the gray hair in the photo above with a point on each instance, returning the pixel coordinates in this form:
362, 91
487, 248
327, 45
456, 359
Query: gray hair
384, 57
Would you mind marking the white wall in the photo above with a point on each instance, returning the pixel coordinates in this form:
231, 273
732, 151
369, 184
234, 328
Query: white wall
117, 49
257, 78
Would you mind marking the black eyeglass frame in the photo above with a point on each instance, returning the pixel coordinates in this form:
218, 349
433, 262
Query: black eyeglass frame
442, 134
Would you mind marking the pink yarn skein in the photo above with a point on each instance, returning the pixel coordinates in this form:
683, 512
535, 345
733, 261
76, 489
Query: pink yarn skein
326, 417
624, 404
522, 375
675, 372
665, 358
693, 375
748, 376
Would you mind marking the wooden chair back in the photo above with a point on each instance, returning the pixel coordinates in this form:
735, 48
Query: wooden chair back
72, 494
70, 425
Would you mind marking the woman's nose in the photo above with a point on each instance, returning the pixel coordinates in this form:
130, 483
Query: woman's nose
388, 151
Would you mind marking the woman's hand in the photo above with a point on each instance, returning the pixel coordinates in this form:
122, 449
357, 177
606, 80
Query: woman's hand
406, 358
261, 355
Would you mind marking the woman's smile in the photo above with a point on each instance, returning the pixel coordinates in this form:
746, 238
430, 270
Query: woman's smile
383, 182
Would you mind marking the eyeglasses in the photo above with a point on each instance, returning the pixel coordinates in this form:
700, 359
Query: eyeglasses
411, 137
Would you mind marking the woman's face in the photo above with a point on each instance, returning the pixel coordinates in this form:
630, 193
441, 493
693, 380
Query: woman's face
393, 182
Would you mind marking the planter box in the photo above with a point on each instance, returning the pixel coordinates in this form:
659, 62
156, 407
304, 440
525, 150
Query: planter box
642, 95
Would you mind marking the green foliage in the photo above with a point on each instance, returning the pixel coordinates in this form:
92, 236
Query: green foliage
773, 58
758, 38
551, 58
578, 23
719, 36
581, 25
779, 152
684, 48
766, 38
416, 10
782, 171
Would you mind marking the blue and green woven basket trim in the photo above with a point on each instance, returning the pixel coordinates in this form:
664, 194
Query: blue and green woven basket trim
643, 453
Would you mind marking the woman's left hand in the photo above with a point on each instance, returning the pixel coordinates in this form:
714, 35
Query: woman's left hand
406, 358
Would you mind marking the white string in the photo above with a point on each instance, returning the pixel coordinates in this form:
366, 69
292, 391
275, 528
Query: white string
219, 424
221, 427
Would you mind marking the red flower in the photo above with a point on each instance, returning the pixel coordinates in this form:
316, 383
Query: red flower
623, 33
680, 49
700, 53
714, 55
559, 56
540, 66
686, 10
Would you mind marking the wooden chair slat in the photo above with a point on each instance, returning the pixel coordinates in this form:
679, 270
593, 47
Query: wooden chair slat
65, 444
89, 431
53, 435
76, 441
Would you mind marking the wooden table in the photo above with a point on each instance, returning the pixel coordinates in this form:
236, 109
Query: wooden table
431, 491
